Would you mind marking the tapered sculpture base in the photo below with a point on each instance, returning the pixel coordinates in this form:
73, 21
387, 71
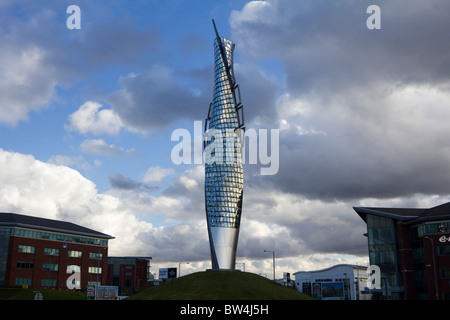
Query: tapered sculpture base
223, 242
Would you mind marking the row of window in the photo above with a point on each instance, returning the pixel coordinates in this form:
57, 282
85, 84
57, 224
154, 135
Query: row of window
217, 187
223, 93
223, 107
219, 67
230, 178
218, 62
224, 191
444, 273
443, 250
221, 123
433, 228
228, 201
55, 252
53, 267
228, 206
226, 148
222, 168
58, 237
45, 282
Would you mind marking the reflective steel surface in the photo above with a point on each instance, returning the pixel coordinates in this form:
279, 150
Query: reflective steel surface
224, 177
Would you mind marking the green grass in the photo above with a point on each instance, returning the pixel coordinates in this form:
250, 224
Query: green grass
28, 294
208, 285
220, 285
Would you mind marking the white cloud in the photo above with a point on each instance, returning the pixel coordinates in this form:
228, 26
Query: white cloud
155, 99
156, 174
99, 146
254, 11
22, 85
36, 188
90, 119
361, 114
38, 55
276, 222
72, 161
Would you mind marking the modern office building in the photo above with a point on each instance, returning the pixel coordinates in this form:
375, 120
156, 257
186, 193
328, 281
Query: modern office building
412, 249
224, 127
45, 253
339, 282
130, 274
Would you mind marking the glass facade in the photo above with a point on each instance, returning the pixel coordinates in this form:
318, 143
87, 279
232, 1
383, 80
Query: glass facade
382, 248
223, 165
420, 279
411, 246
4, 244
21, 232
420, 276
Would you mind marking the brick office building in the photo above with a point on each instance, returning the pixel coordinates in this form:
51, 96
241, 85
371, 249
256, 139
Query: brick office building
45, 253
130, 274
412, 249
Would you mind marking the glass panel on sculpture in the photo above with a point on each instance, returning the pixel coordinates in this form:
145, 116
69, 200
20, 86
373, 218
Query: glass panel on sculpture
224, 180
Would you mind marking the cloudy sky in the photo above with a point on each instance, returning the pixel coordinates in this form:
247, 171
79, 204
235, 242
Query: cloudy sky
86, 118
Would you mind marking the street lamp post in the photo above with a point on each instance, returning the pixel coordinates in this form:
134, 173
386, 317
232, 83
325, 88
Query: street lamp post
179, 267
243, 264
434, 267
273, 254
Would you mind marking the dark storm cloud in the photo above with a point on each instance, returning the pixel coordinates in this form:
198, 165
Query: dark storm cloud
327, 45
159, 97
377, 99
328, 238
118, 181
51, 56
155, 99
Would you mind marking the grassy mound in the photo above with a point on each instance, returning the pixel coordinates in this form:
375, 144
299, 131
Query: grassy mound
220, 285
28, 294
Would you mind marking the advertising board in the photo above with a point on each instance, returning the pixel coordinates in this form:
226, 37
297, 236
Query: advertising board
167, 273
332, 291
106, 292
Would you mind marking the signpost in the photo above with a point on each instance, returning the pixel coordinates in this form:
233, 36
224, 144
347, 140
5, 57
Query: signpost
90, 293
167, 273
106, 292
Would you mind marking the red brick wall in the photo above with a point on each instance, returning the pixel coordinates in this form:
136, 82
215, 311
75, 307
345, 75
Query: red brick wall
434, 264
63, 260
405, 259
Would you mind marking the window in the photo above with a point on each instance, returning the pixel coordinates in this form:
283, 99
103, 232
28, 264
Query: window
23, 281
48, 282
25, 265
444, 273
74, 254
443, 250
50, 267
59, 237
51, 252
438, 227
382, 247
95, 255
26, 249
95, 270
